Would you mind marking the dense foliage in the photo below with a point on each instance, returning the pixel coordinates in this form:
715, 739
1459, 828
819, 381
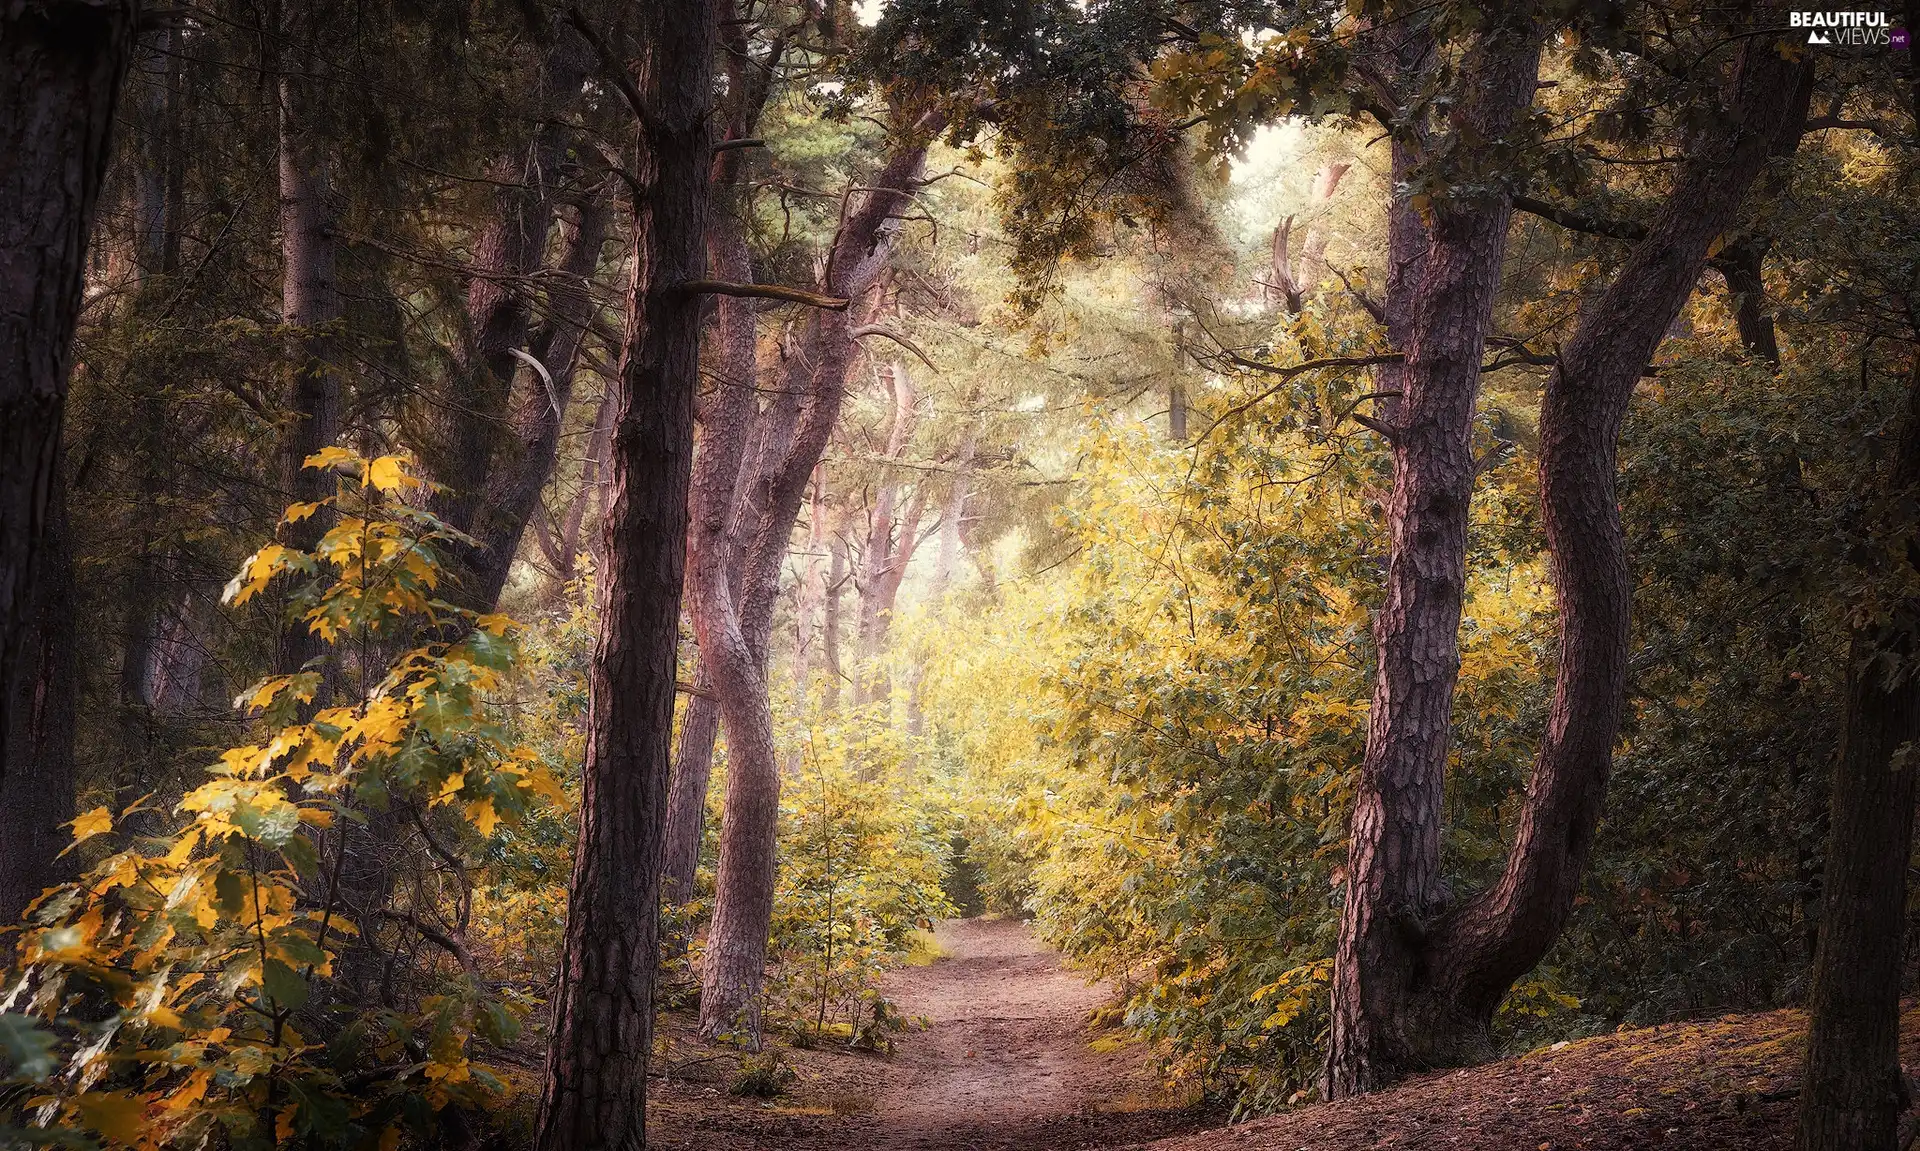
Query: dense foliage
1075, 622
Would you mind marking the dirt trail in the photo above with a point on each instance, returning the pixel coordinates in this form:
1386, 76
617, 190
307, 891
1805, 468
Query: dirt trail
1007, 1063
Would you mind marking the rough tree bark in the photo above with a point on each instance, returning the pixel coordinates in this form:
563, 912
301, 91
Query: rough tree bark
594, 1097
732, 623
1853, 1090
739, 446
1418, 975
62, 63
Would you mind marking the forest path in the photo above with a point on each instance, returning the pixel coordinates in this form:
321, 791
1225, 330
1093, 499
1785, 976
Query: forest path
1008, 1061
999, 1056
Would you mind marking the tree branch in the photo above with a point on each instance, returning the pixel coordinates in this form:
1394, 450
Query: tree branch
763, 292
896, 337
1579, 221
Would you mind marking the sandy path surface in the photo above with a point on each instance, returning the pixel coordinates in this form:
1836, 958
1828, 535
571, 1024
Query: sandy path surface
1008, 1054
1007, 1064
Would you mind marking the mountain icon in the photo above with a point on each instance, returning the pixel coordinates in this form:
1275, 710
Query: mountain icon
1818, 37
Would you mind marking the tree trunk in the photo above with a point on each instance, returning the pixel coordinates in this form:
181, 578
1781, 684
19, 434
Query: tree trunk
1853, 1090
594, 1098
830, 618
687, 794
310, 308
61, 66
889, 540
1418, 977
1853, 1093
498, 445
540, 399
739, 446
808, 590
1394, 885
36, 797
954, 512
734, 622
1313, 252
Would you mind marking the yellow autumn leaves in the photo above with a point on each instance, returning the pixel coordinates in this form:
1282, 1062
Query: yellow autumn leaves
209, 935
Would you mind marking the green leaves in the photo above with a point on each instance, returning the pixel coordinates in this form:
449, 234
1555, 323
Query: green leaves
28, 1051
220, 930
284, 985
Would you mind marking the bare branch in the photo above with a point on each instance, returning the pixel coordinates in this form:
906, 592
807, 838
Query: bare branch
764, 292
896, 337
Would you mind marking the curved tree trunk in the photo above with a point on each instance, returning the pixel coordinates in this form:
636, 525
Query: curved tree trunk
498, 442
733, 622
1394, 885
1418, 979
594, 1098
738, 444
891, 538
687, 795
62, 63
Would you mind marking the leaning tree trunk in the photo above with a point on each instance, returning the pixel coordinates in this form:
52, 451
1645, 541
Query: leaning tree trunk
1854, 1091
742, 446
1417, 981
594, 1098
731, 424
497, 443
734, 626
61, 66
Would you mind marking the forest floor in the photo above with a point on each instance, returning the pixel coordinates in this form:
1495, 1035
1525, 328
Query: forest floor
1006, 1060
999, 1056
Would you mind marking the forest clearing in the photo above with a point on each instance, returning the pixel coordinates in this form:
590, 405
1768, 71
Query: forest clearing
579, 575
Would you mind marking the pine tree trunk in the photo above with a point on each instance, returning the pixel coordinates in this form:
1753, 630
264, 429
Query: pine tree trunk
594, 1098
36, 797
1853, 1094
1394, 886
537, 409
734, 619
1853, 1091
497, 446
309, 307
890, 540
687, 794
62, 63
1419, 976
